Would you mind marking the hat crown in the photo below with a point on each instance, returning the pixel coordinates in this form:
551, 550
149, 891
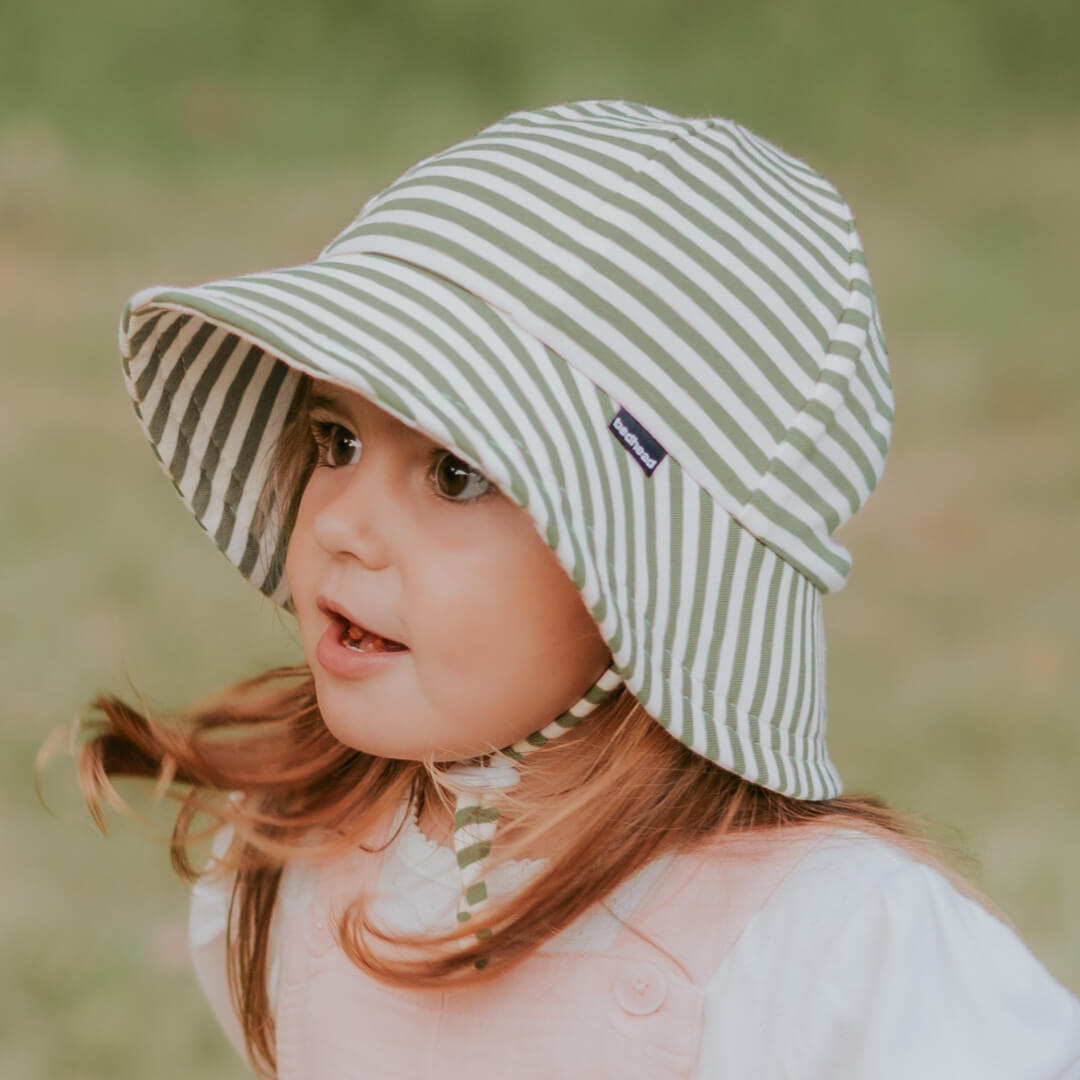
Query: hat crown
711, 283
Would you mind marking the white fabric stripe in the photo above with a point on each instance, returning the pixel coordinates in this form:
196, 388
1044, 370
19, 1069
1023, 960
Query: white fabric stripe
631, 143
752, 626
803, 721
662, 598
653, 276
689, 576
776, 573
622, 568
795, 679
784, 578
731, 629
751, 619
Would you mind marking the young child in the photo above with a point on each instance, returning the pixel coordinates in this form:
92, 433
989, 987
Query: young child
545, 453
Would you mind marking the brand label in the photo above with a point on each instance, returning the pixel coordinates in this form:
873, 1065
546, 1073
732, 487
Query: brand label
647, 452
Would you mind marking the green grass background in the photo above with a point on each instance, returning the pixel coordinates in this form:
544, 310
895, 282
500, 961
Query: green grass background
179, 141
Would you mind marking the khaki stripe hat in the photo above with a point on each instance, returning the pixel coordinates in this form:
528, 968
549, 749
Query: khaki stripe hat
655, 334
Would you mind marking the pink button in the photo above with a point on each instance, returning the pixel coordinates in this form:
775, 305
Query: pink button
640, 987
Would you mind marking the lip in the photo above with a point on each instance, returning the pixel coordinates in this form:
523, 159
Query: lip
346, 663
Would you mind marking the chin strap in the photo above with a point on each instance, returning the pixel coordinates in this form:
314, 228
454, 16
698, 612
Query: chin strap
475, 819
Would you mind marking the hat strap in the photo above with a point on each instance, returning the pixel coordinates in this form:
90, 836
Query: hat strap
475, 818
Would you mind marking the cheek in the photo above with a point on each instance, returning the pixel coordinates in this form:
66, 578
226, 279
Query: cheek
508, 620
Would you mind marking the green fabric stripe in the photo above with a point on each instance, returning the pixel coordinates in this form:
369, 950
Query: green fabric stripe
596, 695
475, 815
473, 853
722, 620
590, 420
695, 618
743, 617
668, 527
772, 583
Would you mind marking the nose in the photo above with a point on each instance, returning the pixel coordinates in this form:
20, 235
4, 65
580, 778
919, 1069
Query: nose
352, 513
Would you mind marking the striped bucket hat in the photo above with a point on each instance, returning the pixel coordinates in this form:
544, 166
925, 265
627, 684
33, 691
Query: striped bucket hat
655, 334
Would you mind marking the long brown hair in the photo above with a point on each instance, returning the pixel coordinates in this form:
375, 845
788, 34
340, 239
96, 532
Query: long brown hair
258, 757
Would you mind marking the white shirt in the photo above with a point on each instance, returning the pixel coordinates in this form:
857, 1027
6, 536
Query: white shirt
864, 964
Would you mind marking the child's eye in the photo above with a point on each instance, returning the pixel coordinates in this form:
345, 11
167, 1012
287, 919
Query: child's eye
335, 444
455, 480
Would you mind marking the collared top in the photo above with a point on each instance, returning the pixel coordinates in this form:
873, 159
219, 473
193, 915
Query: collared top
830, 954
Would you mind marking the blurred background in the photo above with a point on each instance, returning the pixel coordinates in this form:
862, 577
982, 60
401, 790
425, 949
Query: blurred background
183, 140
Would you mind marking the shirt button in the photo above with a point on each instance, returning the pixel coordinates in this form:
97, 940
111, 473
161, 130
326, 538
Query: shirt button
640, 987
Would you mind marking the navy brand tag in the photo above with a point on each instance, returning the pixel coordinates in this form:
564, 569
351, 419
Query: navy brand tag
648, 453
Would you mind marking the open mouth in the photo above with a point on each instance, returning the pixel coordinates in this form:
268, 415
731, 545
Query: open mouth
360, 639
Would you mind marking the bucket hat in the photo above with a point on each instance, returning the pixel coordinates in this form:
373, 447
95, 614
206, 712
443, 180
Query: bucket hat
656, 334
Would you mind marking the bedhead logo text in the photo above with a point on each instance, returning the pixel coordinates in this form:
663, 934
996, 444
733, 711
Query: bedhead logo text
648, 453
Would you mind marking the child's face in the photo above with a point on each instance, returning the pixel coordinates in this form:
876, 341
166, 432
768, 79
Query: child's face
396, 533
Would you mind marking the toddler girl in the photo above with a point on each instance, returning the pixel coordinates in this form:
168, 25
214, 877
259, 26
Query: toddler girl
545, 452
